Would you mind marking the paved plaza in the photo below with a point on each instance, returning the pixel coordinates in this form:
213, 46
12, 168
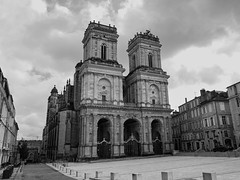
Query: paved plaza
183, 167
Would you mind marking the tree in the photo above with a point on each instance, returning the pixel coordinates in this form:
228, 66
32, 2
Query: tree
23, 150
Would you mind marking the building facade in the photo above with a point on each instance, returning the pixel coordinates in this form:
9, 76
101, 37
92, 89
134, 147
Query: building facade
203, 123
234, 102
111, 115
8, 125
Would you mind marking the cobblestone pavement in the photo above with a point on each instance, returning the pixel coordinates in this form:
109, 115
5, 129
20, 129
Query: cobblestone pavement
182, 167
42, 172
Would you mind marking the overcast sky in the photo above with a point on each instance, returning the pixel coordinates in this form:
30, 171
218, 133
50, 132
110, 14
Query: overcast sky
40, 44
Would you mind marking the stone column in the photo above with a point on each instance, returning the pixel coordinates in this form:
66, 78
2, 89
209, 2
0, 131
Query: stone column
94, 136
120, 91
146, 90
145, 136
114, 141
113, 90
121, 134
87, 150
95, 90
150, 136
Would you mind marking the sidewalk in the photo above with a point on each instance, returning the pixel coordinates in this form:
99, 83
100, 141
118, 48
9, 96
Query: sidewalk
41, 171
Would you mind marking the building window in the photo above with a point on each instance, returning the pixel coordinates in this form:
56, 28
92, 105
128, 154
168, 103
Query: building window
224, 120
134, 61
103, 97
206, 123
103, 51
222, 107
153, 101
150, 60
210, 107
225, 133
212, 123
237, 100
235, 90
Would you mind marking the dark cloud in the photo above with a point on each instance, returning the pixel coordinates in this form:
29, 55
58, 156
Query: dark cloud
182, 24
41, 75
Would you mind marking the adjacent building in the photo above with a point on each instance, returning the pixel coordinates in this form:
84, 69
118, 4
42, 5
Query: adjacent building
8, 125
204, 122
234, 102
105, 114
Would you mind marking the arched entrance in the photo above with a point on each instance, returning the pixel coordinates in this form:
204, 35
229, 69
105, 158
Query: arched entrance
156, 136
132, 145
103, 138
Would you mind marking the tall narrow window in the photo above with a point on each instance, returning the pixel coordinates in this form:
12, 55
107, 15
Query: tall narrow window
237, 100
134, 61
103, 51
103, 98
224, 120
150, 61
153, 101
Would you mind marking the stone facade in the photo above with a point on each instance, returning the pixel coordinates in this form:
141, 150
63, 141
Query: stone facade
234, 102
8, 125
114, 115
204, 122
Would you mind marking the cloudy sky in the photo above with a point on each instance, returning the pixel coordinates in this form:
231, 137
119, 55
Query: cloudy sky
40, 44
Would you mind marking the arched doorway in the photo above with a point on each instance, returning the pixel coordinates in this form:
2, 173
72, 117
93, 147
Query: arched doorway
103, 138
156, 137
132, 145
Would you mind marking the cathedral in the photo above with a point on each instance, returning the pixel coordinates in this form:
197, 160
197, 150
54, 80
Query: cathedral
104, 114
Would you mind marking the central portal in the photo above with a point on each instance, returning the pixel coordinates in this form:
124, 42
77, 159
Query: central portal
103, 137
132, 145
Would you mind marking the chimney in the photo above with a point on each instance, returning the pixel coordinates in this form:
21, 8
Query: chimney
202, 92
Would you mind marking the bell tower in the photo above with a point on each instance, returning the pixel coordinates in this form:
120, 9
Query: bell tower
100, 41
144, 50
146, 81
98, 78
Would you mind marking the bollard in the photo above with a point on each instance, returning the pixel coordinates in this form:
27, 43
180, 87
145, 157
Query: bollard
136, 176
86, 175
98, 174
114, 176
167, 176
209, 176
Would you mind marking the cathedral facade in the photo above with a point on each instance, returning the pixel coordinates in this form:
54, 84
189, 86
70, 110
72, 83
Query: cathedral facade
105, 114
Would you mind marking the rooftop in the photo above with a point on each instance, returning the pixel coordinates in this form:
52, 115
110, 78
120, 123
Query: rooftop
147, 35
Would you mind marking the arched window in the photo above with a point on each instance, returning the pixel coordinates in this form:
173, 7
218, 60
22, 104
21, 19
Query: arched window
150, 60
134, 61
153, 101
103, 51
